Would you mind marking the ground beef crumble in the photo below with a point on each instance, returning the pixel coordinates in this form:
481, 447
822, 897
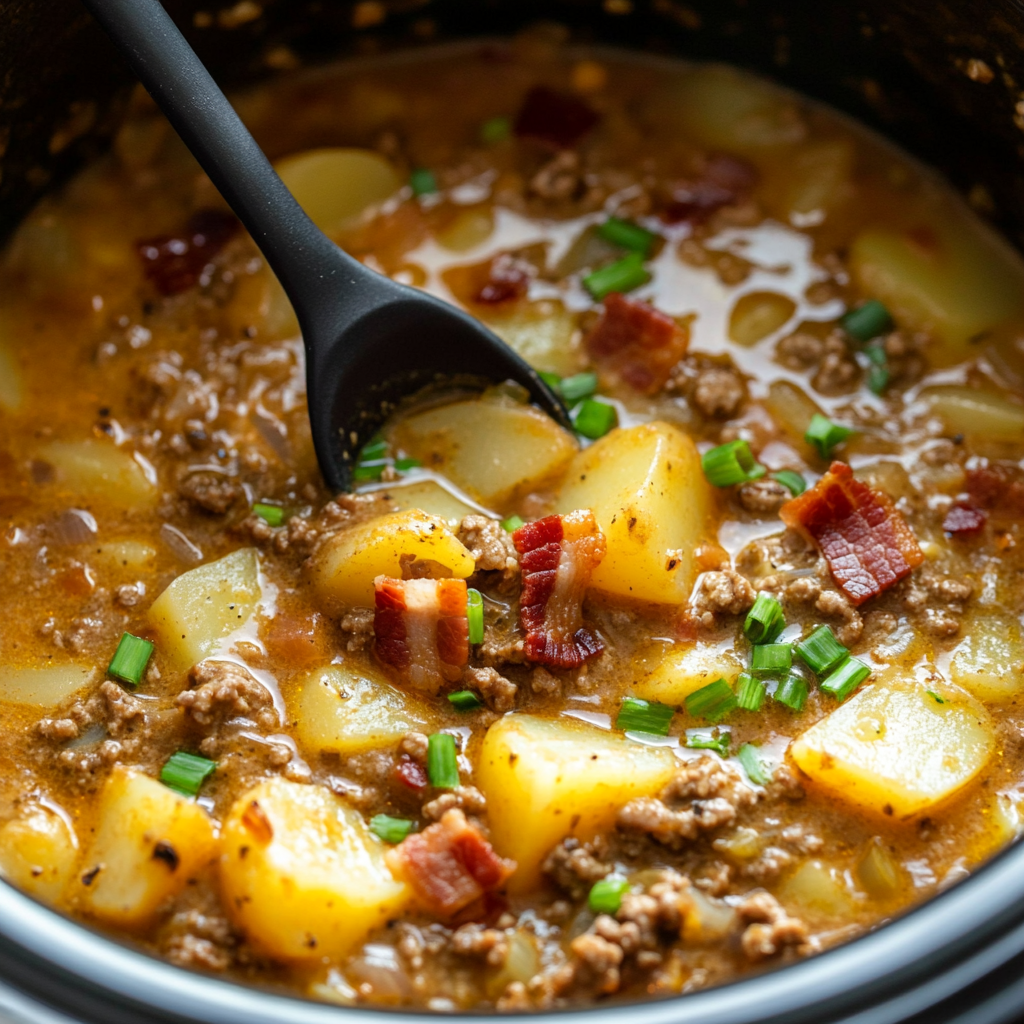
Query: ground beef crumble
498, 693
722, 593
574, 866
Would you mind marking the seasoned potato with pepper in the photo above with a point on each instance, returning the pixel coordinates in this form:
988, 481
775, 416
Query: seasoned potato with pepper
684, 670
38, 852
100, 470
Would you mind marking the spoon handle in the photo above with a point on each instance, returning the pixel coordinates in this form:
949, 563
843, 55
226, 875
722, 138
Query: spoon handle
307, 263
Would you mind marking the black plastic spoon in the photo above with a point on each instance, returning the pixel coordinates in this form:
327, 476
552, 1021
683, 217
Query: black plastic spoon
369, 340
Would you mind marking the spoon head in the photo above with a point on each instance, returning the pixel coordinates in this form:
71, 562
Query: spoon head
358, 376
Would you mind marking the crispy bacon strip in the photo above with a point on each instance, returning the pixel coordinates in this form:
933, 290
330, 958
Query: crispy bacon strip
449, 865
637, 343
964, 521
865, 540
420, 629
996, 486
174, 263
557, 556
725, 180
554, 118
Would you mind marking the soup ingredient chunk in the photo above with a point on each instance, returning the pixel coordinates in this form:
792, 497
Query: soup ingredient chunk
897, 751
43, 686
99, 471
558, 555
685, 670
421, 630
865, 540
38, 852
302, 874
989, 660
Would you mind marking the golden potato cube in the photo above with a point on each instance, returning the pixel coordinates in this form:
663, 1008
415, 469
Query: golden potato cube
989, 660
38, 853
344, 567
897, 751
149, 842
545, 338
347, 710
684, 670
492, 447
546, 779
204, 606
433, 499
44, 686
302, 875
647, 491
100, 471
12, 388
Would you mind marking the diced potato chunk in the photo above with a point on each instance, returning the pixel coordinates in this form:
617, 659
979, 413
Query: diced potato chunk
433, 499
99, 471
38, 853
817, 177
546, 779
758, 314
204, 606
897, 751
345, 710
335, 186
976, 413
546, 339
817, 889
44, 686
989, 660
792, 409
493, 448
344, 567
11, 387
685, 670
469, 227
133, 555
648, 493
149, 842
302, 875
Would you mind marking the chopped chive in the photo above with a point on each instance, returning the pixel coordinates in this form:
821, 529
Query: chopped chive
849, 674
749, 692
731, 463
475, 615
606, 895
465, 700
719, 744
374, 450
595, 419
825, 435
627, 235
404, 465
494, 130
791, 480
512, 524
765, 621
577, 387
712, 702
551, 379
185, 773
935, 697
621, 276
753, 765
391, 830
442, 762
792, 692
821, 651
363, 471
272, 515
878, 372
867, 321
130, 659
637, 715
422, 182
771, 659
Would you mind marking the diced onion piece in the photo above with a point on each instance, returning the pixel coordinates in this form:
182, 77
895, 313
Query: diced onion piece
757, 315
976, 413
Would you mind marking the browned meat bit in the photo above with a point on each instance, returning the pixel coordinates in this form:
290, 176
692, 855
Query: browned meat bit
358, 624
718, 393
575, 866
490, 545
209, 492
602, 950
488, 944
559, 179
466, 798
223, 690
800, 351
200, 941
498, 693
661, 908
502, 647
176, 263
838, 371
830, 602
771, 929
58, 729
414, 745
725, 592
764, 495
941, 622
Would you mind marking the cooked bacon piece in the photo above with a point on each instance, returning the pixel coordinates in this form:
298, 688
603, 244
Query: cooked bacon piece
963, 520
865, 540
420, 629
637, 343
555, 118
508, 278
996, 485
724, 181
557, 556
449, 865
411, 774
174, 263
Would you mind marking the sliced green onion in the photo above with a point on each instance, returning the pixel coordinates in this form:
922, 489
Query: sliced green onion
791, 480
765, 621
719, 743
475, 615
594, 419
771, 659
272, 515
821, 651
130, 659
512, 524
749, 692
577, 387
935, 697
878, 372
422, 182
845, 679
465, 700
442, 761
712, 702
621, 276
792, 692
731, 463
185, 773
606, 895
374, 450
825, 435
867, 321
363, 471
551, 379
495, 129
391, 830
627, 235
753, 765
404, 465
637, 715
